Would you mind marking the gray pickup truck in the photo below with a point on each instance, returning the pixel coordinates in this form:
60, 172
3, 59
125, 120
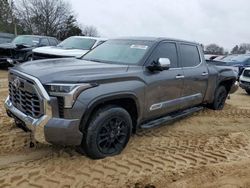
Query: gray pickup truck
96, 102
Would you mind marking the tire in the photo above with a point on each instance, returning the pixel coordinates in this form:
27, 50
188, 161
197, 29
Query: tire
219, 98
108, 133
248, 91
29, 58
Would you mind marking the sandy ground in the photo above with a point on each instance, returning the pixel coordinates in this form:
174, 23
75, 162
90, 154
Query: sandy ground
208, 149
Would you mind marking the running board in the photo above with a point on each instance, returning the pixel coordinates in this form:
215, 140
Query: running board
170, 118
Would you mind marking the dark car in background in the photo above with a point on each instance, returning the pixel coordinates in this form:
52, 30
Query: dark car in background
20, 49
6, 37
240, 61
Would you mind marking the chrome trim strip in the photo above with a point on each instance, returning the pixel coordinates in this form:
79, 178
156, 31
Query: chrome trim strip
35, 125
180, 76
174, 102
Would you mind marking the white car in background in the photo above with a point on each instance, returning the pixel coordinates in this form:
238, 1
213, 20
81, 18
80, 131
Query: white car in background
75, 46
245, 80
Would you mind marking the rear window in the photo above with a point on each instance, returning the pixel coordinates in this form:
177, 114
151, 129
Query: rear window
190, 56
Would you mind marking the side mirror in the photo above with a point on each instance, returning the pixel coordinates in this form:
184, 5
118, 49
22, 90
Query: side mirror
164, 63
161, 65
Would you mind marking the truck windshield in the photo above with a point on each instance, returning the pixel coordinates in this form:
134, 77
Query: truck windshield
28, 40
77, 43
119, 51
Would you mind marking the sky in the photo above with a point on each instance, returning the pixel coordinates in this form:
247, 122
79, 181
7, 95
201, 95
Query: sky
224, 22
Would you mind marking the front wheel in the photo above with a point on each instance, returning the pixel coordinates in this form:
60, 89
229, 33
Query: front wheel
219, 98
108, 132
29, 58
248, 91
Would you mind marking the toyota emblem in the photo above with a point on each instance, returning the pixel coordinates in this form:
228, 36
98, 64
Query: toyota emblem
16, 83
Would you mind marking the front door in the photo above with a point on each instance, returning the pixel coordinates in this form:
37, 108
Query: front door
164, 88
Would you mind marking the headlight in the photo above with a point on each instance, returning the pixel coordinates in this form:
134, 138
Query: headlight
69, 92
62, 88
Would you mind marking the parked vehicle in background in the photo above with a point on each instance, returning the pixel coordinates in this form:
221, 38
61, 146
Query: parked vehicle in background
20, 49
245, 80
219, 58
75, 46
97, 101
6, 37
210, 56
240, 61
229, 57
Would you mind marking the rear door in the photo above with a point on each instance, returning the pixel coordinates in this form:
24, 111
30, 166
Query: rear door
163, 88
195, 75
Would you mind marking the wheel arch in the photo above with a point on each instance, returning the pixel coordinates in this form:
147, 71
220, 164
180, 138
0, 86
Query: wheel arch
128, 101
228, 83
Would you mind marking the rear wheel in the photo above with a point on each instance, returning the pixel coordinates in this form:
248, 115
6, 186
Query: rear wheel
108, 132
219, 98
248, 91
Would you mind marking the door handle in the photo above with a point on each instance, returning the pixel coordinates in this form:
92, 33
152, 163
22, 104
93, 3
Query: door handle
180, 76
204, 74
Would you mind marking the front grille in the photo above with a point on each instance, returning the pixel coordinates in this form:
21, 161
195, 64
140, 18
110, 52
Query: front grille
24, 97
246, 83
5, 53
246, 73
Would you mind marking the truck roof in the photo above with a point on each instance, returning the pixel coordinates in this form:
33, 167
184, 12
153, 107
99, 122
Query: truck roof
156, 39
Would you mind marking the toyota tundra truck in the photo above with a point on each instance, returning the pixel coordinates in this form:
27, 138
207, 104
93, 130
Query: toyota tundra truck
98, 101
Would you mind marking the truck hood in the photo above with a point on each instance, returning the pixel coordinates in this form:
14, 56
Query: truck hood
8, 46
11, 46
68, 70
59, 51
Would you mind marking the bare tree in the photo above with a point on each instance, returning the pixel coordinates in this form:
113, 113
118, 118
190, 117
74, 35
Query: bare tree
214, 49
6, 16
90, 31
44, 17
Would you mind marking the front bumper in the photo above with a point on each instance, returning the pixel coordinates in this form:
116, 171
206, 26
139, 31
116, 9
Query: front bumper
245, 85
47, 129
245, 82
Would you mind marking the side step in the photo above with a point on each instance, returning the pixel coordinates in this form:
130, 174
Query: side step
170, 118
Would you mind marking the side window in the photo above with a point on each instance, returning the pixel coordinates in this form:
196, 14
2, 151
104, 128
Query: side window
44, 42
190, 56
166, 50
52, 42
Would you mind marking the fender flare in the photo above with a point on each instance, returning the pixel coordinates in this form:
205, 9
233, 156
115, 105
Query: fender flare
106, 98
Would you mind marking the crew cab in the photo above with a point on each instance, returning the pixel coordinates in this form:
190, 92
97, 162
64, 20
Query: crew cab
20, 49
75, 46
245, 80
96, 102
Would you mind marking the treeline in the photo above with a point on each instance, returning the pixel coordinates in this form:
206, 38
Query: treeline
41, 17
218, 50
